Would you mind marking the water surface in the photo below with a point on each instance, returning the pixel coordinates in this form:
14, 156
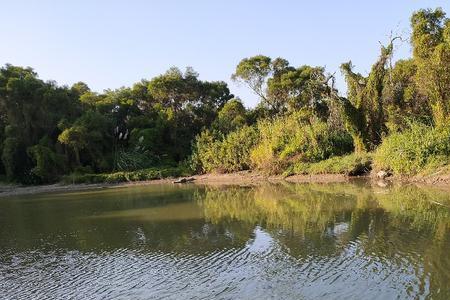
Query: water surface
306, 241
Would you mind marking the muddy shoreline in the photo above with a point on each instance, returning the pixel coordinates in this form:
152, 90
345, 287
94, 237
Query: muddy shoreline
244, 178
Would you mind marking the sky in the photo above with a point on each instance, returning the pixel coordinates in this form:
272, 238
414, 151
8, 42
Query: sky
110, 44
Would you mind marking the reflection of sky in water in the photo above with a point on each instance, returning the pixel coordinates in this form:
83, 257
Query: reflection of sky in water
340, 228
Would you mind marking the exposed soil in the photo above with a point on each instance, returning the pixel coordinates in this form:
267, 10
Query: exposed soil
244, 178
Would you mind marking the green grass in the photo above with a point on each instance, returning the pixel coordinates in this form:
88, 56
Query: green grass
352, 165
117, 177
419, 150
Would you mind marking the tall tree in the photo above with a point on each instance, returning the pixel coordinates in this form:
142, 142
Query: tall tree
431, 49
281, 87
363, 109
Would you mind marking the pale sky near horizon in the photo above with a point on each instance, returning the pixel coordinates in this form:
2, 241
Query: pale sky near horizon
109, 44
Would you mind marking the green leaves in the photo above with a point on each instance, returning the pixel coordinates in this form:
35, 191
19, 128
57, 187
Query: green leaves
281, 87
403, 154
431, 45
254, 71
231, 117
224, 154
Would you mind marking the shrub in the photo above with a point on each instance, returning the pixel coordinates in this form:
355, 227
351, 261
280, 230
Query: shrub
414, 150
135, 159
223, 154
294, 138
352, 165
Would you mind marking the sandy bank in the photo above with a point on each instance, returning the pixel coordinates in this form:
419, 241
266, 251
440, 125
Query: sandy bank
244, 178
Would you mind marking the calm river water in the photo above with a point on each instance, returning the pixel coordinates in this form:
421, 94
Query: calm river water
306, 241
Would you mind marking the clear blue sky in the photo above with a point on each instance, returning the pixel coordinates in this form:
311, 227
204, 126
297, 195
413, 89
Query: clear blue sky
109, 44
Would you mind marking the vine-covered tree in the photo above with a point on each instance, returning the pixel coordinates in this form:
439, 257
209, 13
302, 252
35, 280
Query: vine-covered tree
431, 50
363, 108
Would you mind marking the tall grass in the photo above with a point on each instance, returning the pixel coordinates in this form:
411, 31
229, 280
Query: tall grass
352, 165
419, 149
271, 146
292, 139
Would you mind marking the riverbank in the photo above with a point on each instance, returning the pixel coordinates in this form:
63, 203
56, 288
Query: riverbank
243, 178
239, 178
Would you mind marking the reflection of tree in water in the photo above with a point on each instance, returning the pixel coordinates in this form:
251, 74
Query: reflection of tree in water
154, 218
311, 208
396, 224
303, 209
308, 221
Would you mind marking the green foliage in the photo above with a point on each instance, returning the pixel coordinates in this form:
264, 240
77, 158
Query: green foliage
414, 150
149, 141
351, 165
301, 122
231, 117
363, 109
431, 48
254, 71
102, 130
118, 177
283, 88
286, 140
187, 104
89, 138
48, 164
12, 158
75, 138
135, 159
403, 101
30, 109
292, 89
228, 153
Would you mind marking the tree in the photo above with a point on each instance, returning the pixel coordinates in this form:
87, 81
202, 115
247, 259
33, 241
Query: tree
188, 104
231, 117
281, 87
431, 49
362, 110
254, 71
31, 108
48, 164
403, 102
292, 89
75, 138
90, 134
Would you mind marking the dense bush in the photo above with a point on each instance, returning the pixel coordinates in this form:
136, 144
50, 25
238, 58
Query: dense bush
271, 146
48, 164
134, 159
228, 153
352, 165
294, 138
415, 150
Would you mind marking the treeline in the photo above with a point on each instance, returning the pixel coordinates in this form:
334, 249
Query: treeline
397, 116
48, 131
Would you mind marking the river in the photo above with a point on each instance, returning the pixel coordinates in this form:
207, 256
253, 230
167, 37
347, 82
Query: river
283, 241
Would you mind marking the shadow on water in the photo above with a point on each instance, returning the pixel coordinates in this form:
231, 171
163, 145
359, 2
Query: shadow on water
284, 241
